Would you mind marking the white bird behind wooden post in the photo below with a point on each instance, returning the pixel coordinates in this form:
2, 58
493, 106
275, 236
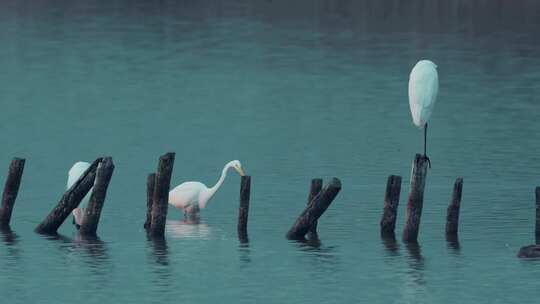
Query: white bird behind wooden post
193, 196
423, 90
73, 175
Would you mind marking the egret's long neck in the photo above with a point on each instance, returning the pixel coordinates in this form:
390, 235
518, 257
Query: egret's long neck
215, 188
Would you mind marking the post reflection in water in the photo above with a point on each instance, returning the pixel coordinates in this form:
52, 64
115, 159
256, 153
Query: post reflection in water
160, 265
11, 240
415, 260
244, 253
390, 245
452, 243
323, 256
9, 237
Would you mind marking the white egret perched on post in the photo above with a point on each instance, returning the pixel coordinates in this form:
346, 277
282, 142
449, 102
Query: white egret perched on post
423, 90
74, 173
194, 196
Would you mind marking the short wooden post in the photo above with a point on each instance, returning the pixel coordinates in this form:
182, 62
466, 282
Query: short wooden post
315, 188
69, 201
161, 195
529, 252
150, 185
243, 210
416, 199
92, 212
537, 226
314, 210
11, 189
452, 214
391, 202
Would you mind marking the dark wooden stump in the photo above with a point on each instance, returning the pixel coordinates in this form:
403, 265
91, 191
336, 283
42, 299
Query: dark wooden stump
69, 201
391, 202
161, 195
416, 199
150, 185
452, 214
537, 226
528, 252
315, 188
92, 212
243, 210
314, 210
11, 189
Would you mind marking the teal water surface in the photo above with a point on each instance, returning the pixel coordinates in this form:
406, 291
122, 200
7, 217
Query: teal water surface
295, 91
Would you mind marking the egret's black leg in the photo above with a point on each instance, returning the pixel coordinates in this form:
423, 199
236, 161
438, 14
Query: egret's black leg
425, 146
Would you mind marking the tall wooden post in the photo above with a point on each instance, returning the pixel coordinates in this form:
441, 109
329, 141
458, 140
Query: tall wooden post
150, 185
11, 189
243, 210
161, 195
452, 214
391, 202
92, 212
416, 199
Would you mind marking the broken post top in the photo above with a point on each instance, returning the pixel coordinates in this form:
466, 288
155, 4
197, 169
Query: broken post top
419, 167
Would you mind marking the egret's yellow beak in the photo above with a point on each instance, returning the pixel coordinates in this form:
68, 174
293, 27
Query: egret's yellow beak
241, 172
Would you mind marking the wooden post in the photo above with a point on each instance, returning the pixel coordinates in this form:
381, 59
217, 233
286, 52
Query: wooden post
243, 210
150, 185
92, 212
314, 210
537, 228
161, 195
528, 252
452, 214
391, 201
416, 199
315, 188
11, 189
69, 201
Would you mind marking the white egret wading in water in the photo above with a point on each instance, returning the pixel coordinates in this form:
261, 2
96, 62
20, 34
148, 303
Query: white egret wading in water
193, 196
73, 175
423, 90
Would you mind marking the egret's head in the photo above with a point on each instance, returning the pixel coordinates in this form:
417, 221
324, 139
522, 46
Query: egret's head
236, 165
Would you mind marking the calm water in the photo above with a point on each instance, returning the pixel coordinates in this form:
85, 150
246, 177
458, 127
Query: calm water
295, 91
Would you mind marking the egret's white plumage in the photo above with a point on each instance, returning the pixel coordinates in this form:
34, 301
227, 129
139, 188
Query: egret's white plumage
193, 196
73, 175
423, 90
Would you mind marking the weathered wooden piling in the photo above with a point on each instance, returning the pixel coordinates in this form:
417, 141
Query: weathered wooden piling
92, 212
243, 210
314, 210
160, 200
11, 189
416, 198
69, 201
452, 213
150, 185
537, 226
391, 202
529, 252
314, 189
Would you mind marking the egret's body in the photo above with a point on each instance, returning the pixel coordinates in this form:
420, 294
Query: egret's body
423, 90
73, 175
193, 196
